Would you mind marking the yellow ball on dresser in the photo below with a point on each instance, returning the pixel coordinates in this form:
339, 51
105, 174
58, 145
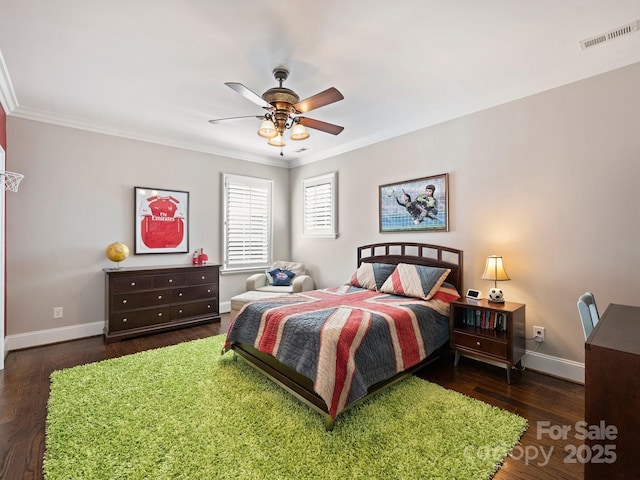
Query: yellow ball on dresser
117, 252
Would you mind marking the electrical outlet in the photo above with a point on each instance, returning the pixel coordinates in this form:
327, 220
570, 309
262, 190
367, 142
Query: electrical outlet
539, 334
58, 312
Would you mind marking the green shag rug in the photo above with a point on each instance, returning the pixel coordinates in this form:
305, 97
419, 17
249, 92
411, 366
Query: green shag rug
186, 412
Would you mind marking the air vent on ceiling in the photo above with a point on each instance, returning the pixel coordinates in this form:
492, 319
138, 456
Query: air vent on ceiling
610, 35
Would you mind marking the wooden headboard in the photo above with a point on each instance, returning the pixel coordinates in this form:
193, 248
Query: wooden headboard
418, 254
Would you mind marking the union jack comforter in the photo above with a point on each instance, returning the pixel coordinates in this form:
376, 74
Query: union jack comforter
345, 338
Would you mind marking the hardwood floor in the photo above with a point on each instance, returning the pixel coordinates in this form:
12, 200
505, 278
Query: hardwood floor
534, 396
24, 391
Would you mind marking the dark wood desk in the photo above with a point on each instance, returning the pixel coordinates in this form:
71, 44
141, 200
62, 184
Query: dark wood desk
612, 392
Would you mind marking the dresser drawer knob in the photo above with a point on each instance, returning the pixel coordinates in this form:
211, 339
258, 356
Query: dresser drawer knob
160, 314
209, 307
180, 311
208, 290
478, 343
133, 284
180, 294
124, 301
171, 280
124, 320
203, 277
159, 297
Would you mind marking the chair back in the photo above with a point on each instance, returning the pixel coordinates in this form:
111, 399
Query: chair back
588, 313
295, 267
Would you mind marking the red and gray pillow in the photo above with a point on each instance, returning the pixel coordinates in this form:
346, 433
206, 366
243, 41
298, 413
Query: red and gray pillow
415, 281
371, 275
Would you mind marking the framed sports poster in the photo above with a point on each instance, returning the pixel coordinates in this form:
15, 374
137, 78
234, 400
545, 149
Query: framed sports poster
161, 221
417, 205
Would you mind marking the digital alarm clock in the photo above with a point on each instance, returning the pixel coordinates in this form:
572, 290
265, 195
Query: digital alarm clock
474, 294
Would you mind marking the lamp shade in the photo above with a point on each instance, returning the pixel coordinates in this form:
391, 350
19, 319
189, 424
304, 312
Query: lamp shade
494, 269
277, 141
299, 132
267, 129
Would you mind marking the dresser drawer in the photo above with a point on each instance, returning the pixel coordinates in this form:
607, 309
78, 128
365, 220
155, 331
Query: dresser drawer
139, 318
194, 309
481, 344
129, 301
199, 292
169, 280
131, 284
208, 275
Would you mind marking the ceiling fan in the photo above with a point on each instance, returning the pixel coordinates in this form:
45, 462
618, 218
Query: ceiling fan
283, 108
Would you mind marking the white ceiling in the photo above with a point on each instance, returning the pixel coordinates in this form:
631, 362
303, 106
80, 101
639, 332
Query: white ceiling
155, 70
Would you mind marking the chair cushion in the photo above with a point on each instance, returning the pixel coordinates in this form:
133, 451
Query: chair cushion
274, 289
239, 300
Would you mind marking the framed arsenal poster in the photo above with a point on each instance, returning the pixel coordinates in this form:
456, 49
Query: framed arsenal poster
161, 221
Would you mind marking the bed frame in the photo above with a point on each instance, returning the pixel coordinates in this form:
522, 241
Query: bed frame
394, 253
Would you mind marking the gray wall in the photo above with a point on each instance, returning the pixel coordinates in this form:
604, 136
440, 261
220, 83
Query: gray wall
550, 182
77, 197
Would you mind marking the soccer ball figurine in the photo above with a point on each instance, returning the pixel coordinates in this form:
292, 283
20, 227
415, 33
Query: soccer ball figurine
496, 295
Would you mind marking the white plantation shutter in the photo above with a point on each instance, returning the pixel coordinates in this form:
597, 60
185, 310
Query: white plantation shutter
247, 222
318, 214
320, 206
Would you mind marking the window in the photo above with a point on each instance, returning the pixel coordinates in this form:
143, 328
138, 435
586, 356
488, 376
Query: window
247, 222
320, 206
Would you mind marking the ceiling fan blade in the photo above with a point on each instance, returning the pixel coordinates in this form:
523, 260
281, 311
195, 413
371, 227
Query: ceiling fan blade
330, 95
216, 120
248, 94
322, 126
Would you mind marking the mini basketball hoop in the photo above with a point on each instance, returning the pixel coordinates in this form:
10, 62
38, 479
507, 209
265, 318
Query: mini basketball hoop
10, 180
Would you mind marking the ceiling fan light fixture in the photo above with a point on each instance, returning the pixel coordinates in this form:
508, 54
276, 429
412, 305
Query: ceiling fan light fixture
277, 141
299, 132
267, 129
282, 106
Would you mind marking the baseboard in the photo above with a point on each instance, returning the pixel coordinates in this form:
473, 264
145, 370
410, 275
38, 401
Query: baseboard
52, 335
558, 367
225, 307
63, 334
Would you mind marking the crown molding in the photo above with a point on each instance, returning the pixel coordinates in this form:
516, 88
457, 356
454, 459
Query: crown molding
7, 95
70, 122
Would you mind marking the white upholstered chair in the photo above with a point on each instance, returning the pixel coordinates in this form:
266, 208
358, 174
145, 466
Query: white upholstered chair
588, 313
259, 288
301, 282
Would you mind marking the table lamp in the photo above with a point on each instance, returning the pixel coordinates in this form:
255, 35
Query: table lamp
494, 270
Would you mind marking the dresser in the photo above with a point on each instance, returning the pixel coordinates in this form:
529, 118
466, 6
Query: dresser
612, 395
144, 300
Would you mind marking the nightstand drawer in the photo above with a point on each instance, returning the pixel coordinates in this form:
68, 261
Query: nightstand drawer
481, 344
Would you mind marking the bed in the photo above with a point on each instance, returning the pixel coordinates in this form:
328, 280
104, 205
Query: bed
333, 348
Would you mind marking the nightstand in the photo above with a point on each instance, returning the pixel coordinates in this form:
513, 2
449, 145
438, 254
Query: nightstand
488, 331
